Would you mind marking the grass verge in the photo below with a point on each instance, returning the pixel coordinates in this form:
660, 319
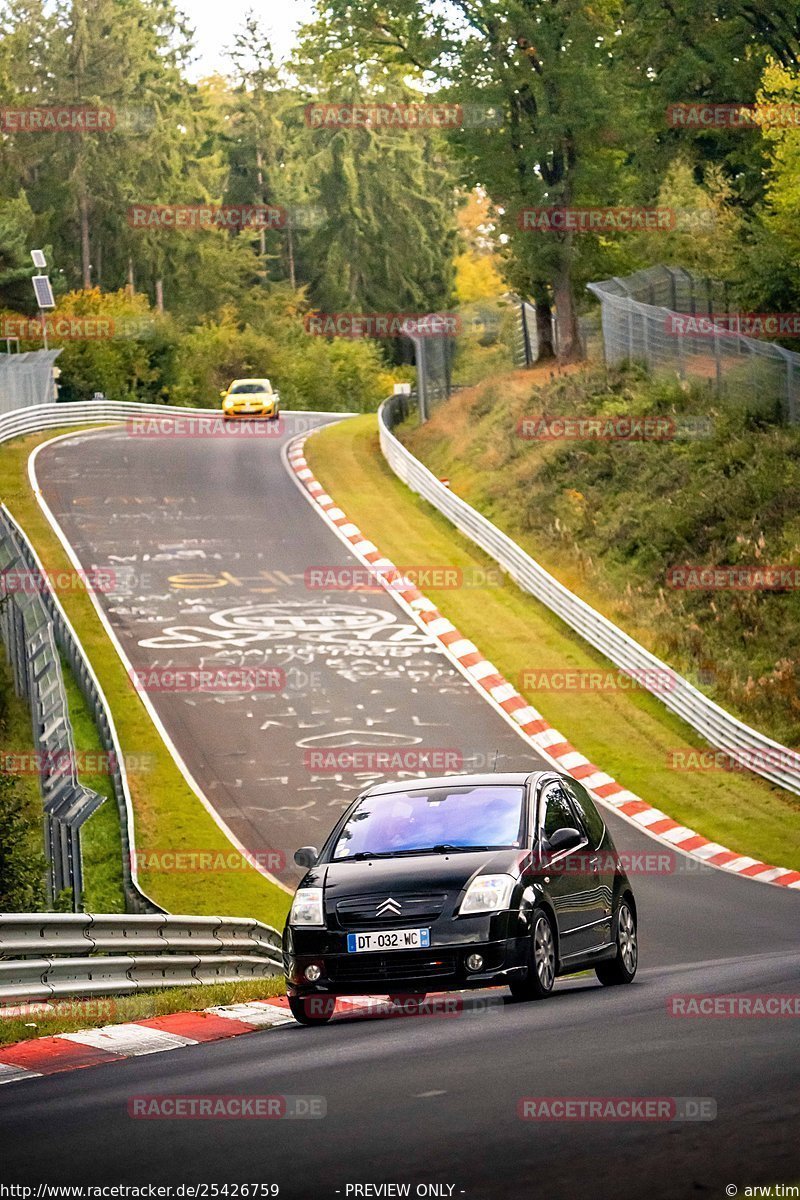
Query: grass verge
168, 816
69, 1016
101, 849
628, 734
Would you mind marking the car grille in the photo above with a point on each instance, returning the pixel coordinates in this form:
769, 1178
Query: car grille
395, 966
415, 909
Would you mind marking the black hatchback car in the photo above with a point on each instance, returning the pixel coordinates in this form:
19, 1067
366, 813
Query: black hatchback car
464, 881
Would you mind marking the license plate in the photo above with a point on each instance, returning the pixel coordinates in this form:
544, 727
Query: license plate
389, 939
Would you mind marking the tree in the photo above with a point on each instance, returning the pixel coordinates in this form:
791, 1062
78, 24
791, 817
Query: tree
528, 60
16, 225
388, 198
125, 56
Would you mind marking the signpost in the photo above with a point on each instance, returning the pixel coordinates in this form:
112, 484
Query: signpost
42, 290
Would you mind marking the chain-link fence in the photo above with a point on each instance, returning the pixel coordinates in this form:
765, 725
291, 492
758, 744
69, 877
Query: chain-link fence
672, 321
26, 379
480, 341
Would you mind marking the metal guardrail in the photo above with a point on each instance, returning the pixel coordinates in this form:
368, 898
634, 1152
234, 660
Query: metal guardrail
45, 956
35, 627
105, 412
28, 635
744, 745
34, 419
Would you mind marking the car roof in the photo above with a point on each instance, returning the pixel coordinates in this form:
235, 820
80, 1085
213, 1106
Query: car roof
498, 778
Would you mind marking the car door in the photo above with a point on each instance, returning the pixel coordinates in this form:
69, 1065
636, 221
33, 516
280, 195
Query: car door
571, 879
601, 860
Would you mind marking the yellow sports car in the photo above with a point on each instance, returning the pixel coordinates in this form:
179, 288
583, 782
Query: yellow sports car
250, 398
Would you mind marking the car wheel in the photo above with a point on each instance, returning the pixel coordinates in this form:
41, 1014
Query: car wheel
312, 1010
542, 962
621, 968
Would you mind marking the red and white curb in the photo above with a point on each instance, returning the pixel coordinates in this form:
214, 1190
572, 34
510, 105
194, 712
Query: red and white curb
114, 1043
551, 744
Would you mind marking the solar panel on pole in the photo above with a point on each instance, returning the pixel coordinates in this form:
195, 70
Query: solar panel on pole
43, 291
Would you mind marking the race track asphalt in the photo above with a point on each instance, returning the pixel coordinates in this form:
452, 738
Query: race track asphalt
218, 541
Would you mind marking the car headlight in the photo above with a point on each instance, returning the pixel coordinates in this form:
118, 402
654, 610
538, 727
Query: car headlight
227, 402
307, 907
487, 893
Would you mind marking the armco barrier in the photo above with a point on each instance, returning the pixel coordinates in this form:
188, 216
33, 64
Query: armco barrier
105, 412
45, 956
49, 740
743, 744
34, 419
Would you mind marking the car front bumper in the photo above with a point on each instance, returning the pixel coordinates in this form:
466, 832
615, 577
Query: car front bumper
440, 967
266, 412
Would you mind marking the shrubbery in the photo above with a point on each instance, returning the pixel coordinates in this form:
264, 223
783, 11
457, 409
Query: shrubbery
621, 514
22, 863
153, 358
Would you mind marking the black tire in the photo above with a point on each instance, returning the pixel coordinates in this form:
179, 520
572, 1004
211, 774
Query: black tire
621, 968
312, 1010
542, 962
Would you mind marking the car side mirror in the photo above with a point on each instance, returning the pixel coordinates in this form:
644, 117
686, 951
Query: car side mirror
306, 856
223, 393
564, 839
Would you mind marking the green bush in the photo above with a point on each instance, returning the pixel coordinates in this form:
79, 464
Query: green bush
22, 862
617, 516
309, 372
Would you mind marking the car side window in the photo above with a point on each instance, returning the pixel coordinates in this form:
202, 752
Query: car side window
593, 823
558, 813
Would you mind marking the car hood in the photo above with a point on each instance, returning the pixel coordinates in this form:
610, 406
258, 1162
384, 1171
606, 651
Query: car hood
425, 872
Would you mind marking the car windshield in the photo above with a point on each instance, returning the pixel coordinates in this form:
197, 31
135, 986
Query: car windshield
459, 818
249, 389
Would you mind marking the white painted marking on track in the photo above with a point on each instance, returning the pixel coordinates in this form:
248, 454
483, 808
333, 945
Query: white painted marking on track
9, 1073
258, 1013
129, 1039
